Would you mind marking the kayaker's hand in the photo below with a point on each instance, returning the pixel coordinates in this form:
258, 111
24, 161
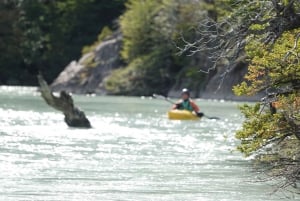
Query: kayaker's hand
178, 106
200, 114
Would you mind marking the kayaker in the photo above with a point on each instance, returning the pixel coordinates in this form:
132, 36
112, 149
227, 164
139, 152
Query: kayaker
186, 103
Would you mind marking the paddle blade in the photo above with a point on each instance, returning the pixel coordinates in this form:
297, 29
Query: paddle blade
159, 96
200, 114
216, 118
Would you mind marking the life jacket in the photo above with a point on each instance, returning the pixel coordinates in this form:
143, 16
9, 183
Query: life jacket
186, 105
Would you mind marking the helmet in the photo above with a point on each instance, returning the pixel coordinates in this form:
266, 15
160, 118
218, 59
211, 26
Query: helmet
185, 91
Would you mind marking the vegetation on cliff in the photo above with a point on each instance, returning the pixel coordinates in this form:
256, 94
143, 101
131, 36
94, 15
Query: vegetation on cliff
46, 35
151, 29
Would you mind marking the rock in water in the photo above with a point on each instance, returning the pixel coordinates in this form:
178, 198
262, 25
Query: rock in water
74, 117
86, 76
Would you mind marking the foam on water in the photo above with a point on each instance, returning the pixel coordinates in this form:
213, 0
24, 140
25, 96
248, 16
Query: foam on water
132, 152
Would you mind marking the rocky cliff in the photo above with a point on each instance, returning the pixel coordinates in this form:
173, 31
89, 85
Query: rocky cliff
218, 84
88, 75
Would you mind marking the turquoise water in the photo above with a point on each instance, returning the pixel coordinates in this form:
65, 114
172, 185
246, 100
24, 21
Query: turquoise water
133, 152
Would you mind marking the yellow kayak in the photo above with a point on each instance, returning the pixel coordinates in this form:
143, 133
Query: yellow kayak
182, 115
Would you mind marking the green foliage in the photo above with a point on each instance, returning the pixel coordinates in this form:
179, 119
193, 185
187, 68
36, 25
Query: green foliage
89, 60
262, 128
125, 80
259, 129
217, 10
105, 32
47, 35
138, 27
272, 46
9, 42
136, 78
150, 30
270, 66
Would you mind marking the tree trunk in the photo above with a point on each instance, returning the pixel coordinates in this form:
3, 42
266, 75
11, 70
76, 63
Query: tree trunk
64, 103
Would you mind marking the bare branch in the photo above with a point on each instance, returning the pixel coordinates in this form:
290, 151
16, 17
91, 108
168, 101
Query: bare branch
224, 41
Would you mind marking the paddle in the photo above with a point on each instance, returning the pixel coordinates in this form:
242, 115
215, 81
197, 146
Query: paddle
200, 114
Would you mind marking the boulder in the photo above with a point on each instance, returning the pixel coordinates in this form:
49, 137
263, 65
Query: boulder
86, 76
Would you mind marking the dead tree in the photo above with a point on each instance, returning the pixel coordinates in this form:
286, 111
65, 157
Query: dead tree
74, 117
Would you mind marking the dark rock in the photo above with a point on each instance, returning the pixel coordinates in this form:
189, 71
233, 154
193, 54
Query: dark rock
218, 86
87, 75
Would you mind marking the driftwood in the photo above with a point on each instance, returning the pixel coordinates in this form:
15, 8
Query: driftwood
74, 117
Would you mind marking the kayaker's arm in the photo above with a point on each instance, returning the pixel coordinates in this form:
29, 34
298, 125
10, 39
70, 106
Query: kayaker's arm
177, 105
195, 107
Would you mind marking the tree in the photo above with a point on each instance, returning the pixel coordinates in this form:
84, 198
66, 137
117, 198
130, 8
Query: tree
265, 33
239, 22
10, 36
47, 35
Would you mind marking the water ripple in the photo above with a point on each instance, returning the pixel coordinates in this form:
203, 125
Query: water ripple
132, 154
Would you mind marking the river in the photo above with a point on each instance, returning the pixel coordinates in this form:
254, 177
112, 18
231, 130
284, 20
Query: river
133, 152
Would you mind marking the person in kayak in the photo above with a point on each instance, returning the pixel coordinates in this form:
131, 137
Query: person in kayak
186, 103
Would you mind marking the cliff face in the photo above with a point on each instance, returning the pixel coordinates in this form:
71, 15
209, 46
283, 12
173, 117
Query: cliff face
217, 86
89, 73
220, 84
